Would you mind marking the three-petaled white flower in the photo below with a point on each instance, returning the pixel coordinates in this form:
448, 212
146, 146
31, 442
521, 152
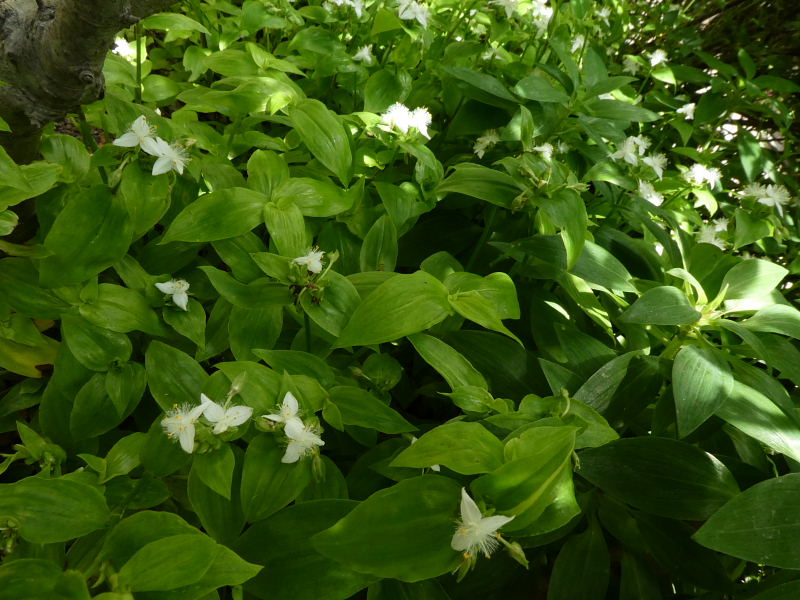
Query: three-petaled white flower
631, 149
510, 6
699, 174
364, 54
657, 162
773, 195
399, 116
629, 65
140, 134
475, 532
649, 193
709, 233
170, 157
303, 440
657, 57
125, 49
288, 410
577, 43
410, 10
486, 141
546, 149
312, 261
179, 423
224, 418
176, 288
687, 110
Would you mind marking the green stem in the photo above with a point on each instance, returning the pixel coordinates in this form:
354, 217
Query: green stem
307, 328
487, 231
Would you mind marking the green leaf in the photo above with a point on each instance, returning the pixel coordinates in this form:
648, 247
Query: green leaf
146, 198
287, 575
95, 348
597, 265
379, 250
215, 469
481, 182
296, 362
122, 310
313, 197
582, 567
663, 305
69, 153
359, 407
752, 278
481, 87
536, 87
599, 389
777, 318
333, 311
173, 376
413, 520
266, 172
403, 305
620, 111
169, 563
464, 447
660, 476
287, 228
268, 484
701, 381
453, 366
760, 525
34, 579
172, 21
218, 215
89, 235
47, 511
325, 136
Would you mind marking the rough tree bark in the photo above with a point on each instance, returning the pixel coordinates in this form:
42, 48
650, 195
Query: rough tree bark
51, 60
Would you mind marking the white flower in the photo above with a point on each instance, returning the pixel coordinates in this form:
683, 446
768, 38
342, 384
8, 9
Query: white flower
657, 162
753, 190
224, 418
486, 141
649, 193
709, 234
577, 43
288, 410
699, 174
720, 224
171, 157
774, 195
398, 116
541, 14
510, 6
410, 10
125, 49
604, 13
642, 143
357, 6
176, 288
657, 57
303, 440
687, 110
628, 151
546, 150
179, 423
364, 55
629, 65
140, 133
563, 148
312, 260
475, 532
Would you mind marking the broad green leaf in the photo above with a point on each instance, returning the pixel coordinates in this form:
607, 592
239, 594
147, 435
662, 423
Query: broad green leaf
753, 278
96, 348
760, 525
251, 328
173, 376
90, 234
481, 87
379, 250
597, 265
314, 197
384, 88
536, 87
287, 228
333, 311
359, 407
36, 578
582, 567
481, 182
266, 172
663, 305
778, 318
701, 381
566, 210
660, 476
146, 198
465, 447
599, 389
268, 484
92, 414
286, 576
403, 305
187, 556
260, 293
621, 111
122, 310
453, 366
172, 21
413, 520
296, 362
69, 153
325, 136
218, 215
221, 517
53, 510
215, 469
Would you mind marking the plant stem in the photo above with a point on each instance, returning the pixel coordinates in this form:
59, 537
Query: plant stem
307, 328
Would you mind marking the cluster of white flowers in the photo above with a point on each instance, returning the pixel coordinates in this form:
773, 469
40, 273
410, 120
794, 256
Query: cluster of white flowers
476, 533
399, 117
485, 142
410, 10
312, 261
768, 195
169, 157
699, 174
179, 422
177, 288
649, 193
632, 148
356, 5
709, 233
364, 54
303, 439
687, 110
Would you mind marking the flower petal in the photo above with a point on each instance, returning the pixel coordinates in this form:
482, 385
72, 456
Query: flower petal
293, 453
470, 513
186, 437
213, 411
181, 300
236, 415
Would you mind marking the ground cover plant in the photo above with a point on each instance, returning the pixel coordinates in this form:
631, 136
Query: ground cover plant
425, 300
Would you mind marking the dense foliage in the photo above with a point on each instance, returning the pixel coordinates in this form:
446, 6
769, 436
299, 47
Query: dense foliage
337, 299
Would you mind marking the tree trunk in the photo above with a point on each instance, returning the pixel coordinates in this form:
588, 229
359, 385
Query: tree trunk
51, 60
